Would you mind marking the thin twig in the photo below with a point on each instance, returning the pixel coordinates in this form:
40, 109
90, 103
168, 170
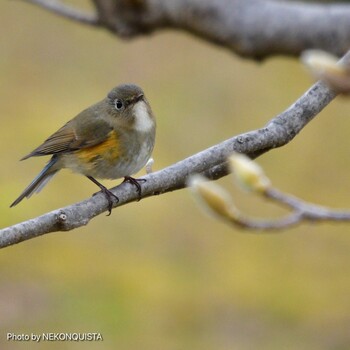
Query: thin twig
301, 212
308, 211
267, 226
64, 10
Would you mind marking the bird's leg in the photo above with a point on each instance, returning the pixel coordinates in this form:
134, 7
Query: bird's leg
135, 182
108, 194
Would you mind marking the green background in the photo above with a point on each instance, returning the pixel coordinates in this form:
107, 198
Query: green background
158, 274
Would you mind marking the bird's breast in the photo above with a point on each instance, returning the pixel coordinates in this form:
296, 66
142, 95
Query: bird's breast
123, 153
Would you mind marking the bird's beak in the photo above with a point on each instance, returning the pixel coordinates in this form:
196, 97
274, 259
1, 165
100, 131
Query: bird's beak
138, 98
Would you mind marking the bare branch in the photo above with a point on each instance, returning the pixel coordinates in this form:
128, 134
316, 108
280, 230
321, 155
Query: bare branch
249, 175
61, 9
307, 211
250, 28
301, 212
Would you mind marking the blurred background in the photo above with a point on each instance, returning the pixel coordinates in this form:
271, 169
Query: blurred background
158, 274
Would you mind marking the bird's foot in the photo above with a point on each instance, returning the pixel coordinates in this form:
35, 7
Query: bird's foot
136, 183
108, 194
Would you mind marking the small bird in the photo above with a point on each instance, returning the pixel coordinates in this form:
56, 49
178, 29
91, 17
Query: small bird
113, 138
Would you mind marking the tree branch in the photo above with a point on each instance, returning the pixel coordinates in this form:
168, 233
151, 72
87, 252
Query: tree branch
250, 28
301, 211
250, 176
61, 9
210, 162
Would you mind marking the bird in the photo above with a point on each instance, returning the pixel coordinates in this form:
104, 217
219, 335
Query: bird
111, 139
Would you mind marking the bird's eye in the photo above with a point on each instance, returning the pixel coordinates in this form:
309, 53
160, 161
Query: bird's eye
118, 104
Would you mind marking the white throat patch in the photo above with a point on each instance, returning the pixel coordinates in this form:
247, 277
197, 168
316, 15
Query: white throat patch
143, 121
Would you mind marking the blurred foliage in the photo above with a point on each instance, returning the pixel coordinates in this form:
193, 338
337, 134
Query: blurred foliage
157, 274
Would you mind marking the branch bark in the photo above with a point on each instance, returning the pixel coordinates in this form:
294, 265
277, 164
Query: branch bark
250, 28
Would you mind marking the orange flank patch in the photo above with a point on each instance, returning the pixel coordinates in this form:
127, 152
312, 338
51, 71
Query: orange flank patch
107, 150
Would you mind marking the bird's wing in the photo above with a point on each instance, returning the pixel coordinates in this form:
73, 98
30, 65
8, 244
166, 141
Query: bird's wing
76, 134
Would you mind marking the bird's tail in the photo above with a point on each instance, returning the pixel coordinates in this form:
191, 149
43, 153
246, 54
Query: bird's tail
39, 182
